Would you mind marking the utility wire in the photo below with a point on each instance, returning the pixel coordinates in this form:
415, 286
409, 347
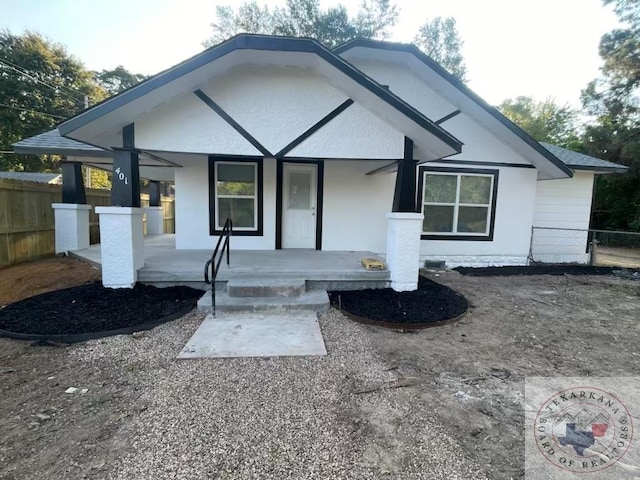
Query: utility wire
56, 89
32, 111
28, 72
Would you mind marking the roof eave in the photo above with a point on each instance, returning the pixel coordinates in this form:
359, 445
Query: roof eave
60, 151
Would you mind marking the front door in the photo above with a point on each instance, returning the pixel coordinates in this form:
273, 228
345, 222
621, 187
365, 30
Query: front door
299, 201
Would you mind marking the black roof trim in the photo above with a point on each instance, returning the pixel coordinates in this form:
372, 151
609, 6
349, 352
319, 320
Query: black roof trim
420, 55
63, 151
589, 168
257, 42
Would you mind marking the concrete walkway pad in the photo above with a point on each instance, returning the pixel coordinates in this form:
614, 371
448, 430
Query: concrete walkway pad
256, 335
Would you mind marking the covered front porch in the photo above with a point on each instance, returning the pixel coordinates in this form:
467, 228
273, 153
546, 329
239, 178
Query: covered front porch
164, 265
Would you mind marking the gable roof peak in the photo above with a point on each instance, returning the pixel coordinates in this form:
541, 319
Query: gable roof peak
522, 138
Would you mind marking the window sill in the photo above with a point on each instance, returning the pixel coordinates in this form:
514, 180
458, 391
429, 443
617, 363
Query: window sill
462, 238
239, 233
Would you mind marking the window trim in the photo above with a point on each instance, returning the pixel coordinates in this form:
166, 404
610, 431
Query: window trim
422, 171
213, 208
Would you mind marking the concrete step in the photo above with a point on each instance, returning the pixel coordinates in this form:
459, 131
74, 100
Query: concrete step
266, 287
315, 301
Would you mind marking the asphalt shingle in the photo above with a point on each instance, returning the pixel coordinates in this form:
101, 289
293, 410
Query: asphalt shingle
580, 161
53, 143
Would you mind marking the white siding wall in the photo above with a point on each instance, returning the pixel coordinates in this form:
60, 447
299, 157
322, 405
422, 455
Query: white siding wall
512, 234
355, 206
563, 204
479, 144
516, 186
192, 210
408, 86
275, 105
355, 133
187, 124
354, 214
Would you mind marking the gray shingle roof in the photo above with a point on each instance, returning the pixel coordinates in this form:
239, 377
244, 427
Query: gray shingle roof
53, 143
55, 178
580, 161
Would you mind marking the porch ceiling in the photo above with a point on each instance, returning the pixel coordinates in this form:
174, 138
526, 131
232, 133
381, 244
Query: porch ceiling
151, 167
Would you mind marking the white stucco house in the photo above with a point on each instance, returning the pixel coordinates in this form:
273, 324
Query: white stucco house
371, 146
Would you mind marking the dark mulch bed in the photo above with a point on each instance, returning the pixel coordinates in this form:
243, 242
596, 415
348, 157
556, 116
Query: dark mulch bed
536, 270
431, 304
93, 311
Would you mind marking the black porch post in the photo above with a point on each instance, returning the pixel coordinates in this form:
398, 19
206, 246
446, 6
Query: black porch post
125, 190
154, 193
72, 183
404, 197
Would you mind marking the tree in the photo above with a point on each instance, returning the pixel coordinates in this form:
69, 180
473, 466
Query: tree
439, 39
616, 203
304, 18
614, 133
40, 85
545, 121
117, 80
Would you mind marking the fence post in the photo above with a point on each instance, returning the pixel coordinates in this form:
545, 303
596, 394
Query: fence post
592, 250
530, 258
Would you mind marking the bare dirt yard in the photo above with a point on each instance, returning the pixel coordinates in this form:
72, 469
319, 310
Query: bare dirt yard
442, 403
618, 257
33, 278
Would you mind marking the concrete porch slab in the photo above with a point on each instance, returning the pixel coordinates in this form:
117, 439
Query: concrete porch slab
256, 335
164, 266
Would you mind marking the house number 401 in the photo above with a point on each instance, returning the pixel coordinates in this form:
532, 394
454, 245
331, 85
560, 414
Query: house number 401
121, 176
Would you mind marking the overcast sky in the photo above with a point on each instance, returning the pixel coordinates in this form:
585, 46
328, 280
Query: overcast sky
541, 48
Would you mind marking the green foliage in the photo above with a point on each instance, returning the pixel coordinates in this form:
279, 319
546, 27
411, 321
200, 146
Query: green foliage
95, 178
617, 197
439, 39
614, 134
40, 85
545, 121
305, 18
620, 49
117, 80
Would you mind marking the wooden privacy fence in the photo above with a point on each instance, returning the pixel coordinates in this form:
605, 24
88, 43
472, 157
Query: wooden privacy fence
27, 227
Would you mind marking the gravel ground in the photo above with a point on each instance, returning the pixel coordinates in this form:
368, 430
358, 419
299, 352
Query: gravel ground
339, 416
458, 402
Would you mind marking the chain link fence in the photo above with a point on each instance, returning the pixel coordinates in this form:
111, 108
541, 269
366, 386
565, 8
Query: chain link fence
594, 247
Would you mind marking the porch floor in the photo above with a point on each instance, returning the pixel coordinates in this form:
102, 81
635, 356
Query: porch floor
164, 265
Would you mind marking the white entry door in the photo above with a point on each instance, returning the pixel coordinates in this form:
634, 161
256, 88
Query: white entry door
299, 201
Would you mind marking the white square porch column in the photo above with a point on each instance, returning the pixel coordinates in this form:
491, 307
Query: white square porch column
403, 249
71, 226
155, 220
122, 245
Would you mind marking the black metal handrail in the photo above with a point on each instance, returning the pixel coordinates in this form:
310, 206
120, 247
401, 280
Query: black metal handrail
227, 230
